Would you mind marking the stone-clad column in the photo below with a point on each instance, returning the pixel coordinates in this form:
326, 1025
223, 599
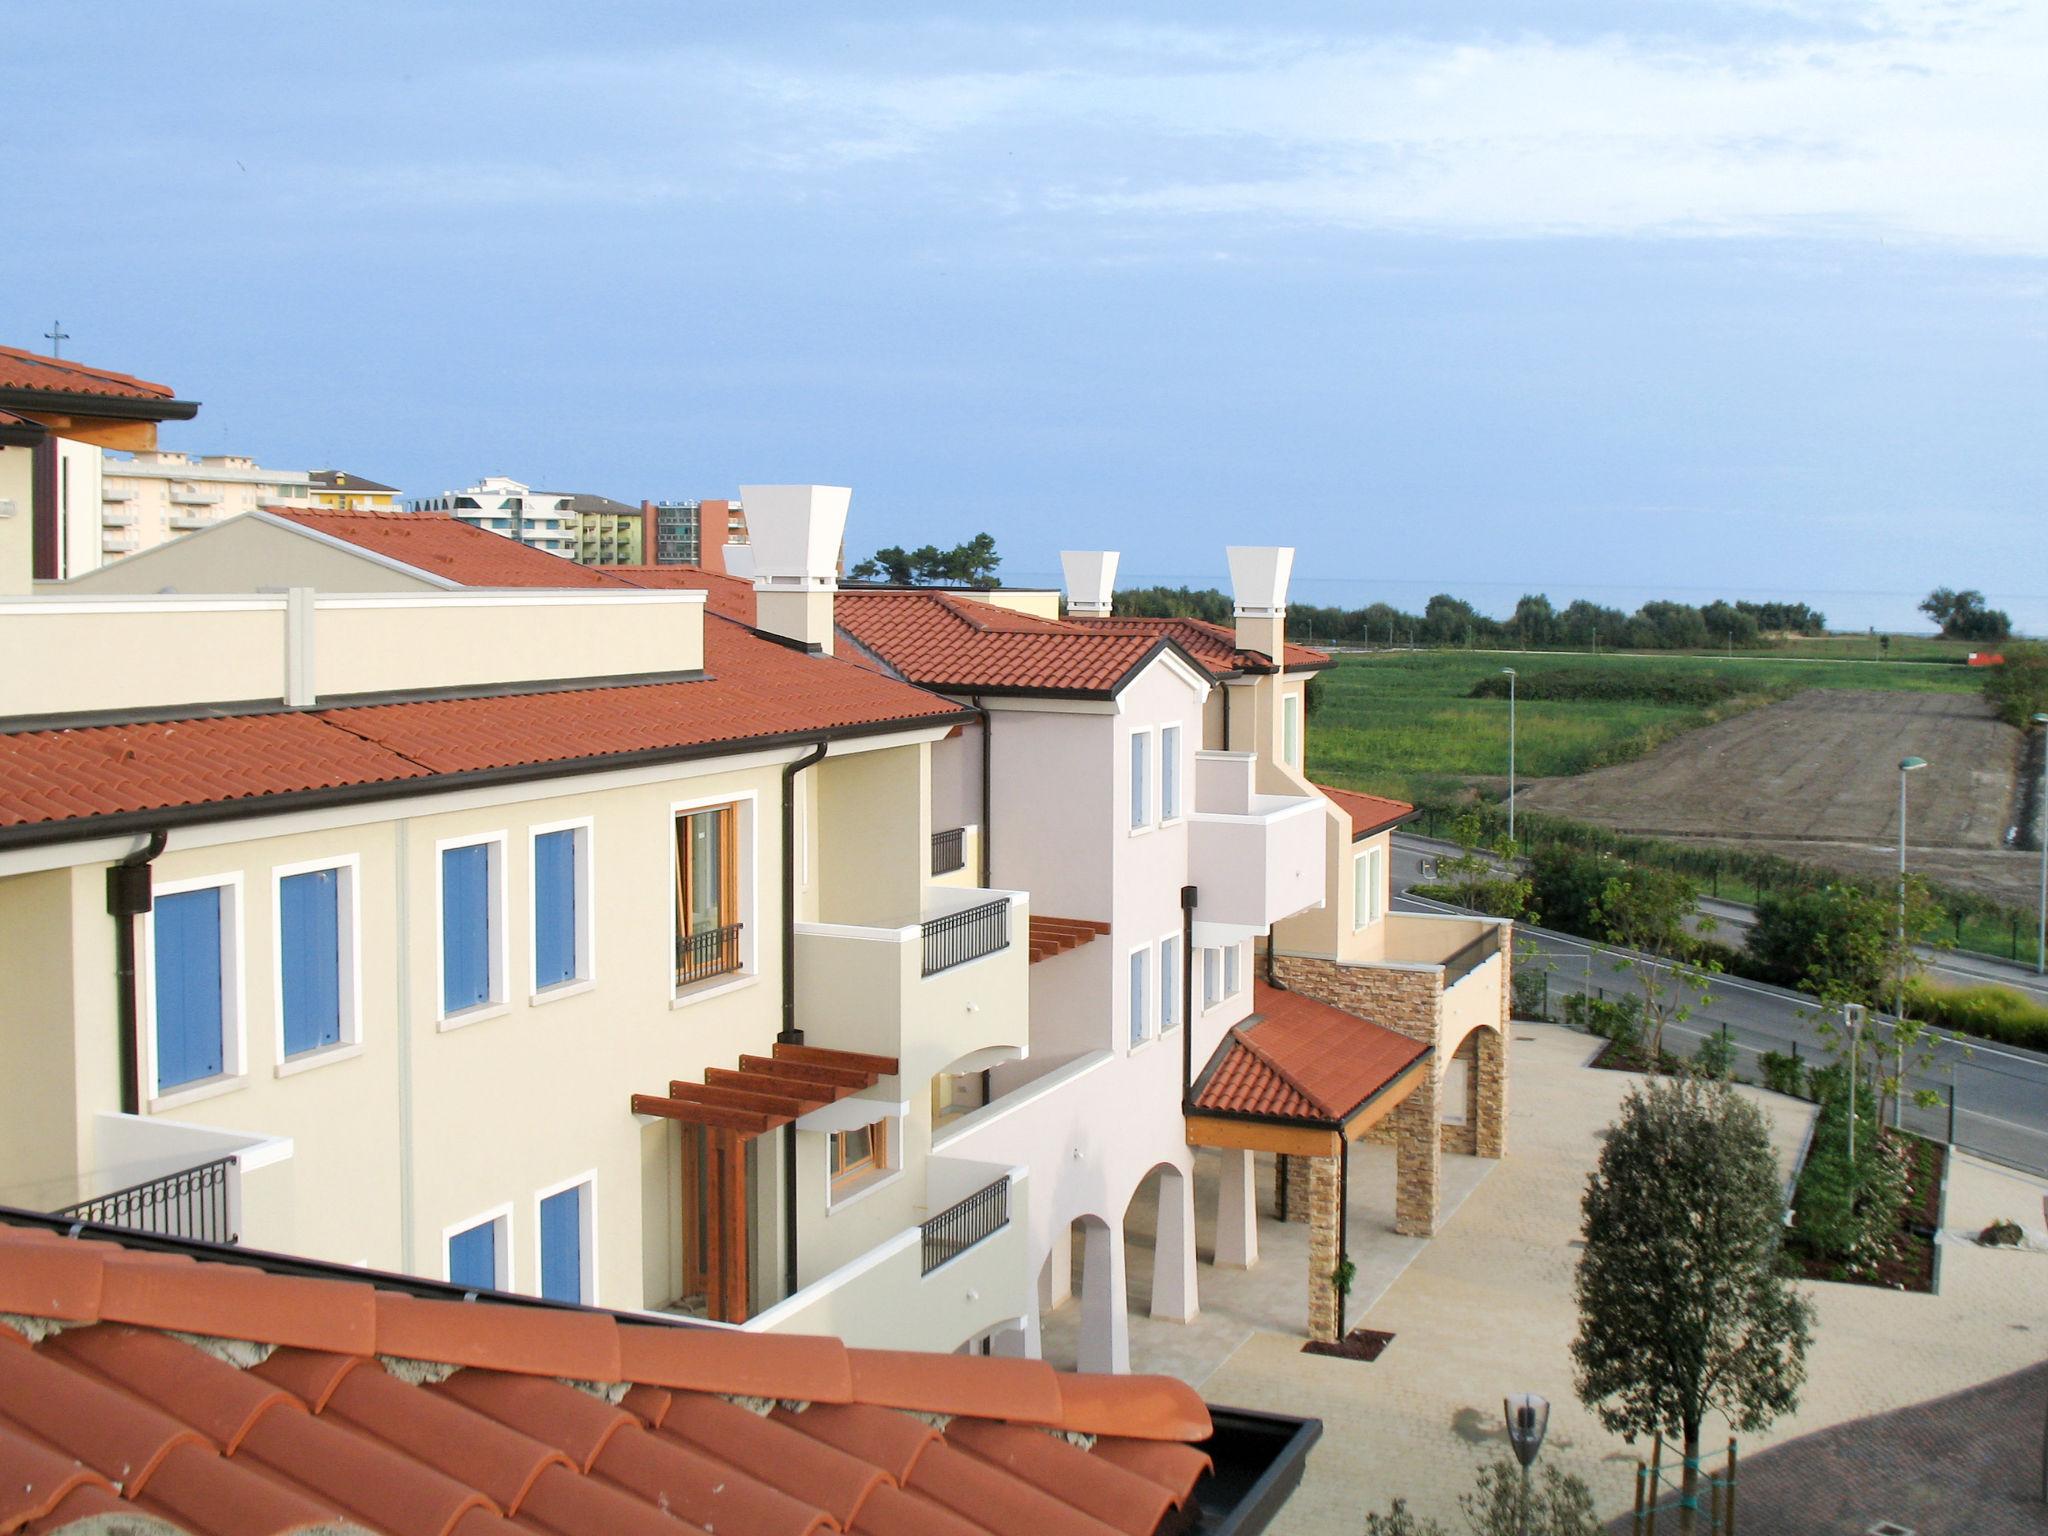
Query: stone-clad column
1492, 1069
1322, 1247
1418, 1161
1237, 1210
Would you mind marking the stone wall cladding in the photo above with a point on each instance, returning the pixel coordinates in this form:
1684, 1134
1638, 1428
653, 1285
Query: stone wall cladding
1299, 1198
1322, 1246
1490, 1080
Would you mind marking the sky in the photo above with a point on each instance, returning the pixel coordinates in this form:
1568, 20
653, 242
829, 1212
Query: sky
1607, 298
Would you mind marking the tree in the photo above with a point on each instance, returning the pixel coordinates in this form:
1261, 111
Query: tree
891, 565
1656, 914
2018, 688
1684, 1305
1483, 874
972, 564
1560, 1504
1964, 616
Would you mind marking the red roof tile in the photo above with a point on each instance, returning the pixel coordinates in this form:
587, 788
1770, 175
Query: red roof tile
730, 597
1211, 644
943, 641
447, 547
1303, 1059
1368, 813
754, 688
62, 376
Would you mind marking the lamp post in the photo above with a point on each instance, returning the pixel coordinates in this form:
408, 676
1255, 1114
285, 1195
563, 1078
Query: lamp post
1528, 1417
1906, 765
1510, 671
2041, 837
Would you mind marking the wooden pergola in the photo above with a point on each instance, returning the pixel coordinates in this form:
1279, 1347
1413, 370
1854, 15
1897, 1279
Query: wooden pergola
719, 1116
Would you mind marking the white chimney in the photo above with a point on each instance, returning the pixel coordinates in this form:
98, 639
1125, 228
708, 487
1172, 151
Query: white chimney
1258, 584
739, 561
794, 533
1091, 580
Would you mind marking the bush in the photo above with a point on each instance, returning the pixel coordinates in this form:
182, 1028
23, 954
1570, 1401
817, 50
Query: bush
1783, 1074
1619, 1019
1848, 1214
2001, 1234
1565, 886
1531, 994
1602, 686
1715, 1058
1991, 1012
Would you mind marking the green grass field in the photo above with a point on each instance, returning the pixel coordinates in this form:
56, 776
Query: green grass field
1399, 722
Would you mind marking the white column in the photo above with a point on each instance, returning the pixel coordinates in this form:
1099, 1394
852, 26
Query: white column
1105, 1328
1059, 1272
1237, 1211
1174, 1296
1017, 1339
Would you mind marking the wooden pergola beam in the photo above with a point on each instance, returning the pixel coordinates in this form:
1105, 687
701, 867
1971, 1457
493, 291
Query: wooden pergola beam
722, 1097
1244, 1135
744, 1122
834, 1077
824, 1056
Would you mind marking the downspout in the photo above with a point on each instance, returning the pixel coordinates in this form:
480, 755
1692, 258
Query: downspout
1226, 717
1272, 977
987, 743
1343, 1224
1187, 998
790, 1034
128, 896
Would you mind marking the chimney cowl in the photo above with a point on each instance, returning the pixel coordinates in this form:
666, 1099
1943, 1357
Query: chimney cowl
1258, 579
1091, 580
796, 532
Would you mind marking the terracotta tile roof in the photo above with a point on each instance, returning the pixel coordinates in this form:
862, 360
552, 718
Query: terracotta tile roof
1368, 813
342, 480
753, 688
110, 1406
1303, 1059
448, 547
730, 596
21, 370
942, 641
1211, 644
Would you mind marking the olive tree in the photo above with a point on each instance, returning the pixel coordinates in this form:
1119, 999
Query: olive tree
1685, 1308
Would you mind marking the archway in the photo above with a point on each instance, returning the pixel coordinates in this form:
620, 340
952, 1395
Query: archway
1159, 1233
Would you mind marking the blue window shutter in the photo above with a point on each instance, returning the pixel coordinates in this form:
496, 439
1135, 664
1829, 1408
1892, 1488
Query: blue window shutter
554, 908
473, 1257
189, 1016
465, 927
561, 1246
309, 926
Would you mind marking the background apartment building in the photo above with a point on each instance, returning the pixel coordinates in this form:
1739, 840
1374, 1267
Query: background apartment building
345, 492
542, 520
148, 499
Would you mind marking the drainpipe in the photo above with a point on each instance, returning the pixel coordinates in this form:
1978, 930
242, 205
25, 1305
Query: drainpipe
128, 896
1187, 998
1226, 715
987, 743
1343, 1223
790, 1034
1272, 977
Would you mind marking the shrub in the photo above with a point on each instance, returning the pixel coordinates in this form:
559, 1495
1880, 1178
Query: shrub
1783, 1074
1991, 1012
1531, 994
1848, 1213
1565, 886
1715, 1057
1605, 686
2001, 1234
1619, 1019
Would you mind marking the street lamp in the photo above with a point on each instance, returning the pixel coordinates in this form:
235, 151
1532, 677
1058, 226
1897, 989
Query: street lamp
1906, 765
2041, 837
1510, 671
1528, 1417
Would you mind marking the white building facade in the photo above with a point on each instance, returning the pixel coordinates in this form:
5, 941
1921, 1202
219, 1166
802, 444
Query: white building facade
543, 520
147, 499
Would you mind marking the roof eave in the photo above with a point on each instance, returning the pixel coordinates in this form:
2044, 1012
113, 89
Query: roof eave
1360, 834
66, 402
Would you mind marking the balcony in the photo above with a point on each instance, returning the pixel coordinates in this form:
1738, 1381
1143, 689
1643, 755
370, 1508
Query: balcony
969, 933
116, 517
185, 522
948, 851
117, 492
118, 543
193, 497
1255, 858
180, 1180
713, 952
966, 1222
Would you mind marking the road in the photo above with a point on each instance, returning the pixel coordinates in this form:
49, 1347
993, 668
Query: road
2000, 1092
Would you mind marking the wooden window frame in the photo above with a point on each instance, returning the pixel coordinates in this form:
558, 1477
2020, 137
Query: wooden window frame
728, 866
844, 1176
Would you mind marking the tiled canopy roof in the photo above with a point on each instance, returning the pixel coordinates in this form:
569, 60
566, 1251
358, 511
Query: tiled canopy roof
1368, 813
447, 547
1303, 1060
21, 370
220, 1398
1211, 644
943, 641
753, 688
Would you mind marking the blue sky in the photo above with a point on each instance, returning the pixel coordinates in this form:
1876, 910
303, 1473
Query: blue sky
1598, 298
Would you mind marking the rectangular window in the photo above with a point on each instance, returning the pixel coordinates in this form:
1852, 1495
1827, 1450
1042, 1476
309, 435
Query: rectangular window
1169, 984
1141, 779
1169, 773
188, 940
469, 937
311, 914
1140, 1008
1233, 968
564, 1240
1212, 977
858, 1154
1290, 730
707, 893
1368, 887
561, 907
476, 1256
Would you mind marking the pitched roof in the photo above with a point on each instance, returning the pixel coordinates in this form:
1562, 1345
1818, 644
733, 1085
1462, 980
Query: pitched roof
730, 596
942, 641
341, 479
31, 371
1211, 644
1301, 1059
1368, 813
446, 547
753, 688
221, 1397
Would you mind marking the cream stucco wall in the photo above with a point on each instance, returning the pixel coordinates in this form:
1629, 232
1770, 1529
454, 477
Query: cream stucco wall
17, 520
250, 554
39, 1131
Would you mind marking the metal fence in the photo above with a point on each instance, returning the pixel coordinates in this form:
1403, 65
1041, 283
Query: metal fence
959, 937
948, 850
711, 952
195, 1203
955, 1230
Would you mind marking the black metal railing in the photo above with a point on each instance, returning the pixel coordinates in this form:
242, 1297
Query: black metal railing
1470, 958
711, 952
955, 1230
192, 1203
959, 937
948, 850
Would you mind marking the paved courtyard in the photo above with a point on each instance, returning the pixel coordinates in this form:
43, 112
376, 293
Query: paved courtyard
1485, 1308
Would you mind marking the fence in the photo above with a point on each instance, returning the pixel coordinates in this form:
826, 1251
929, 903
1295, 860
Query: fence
948, 851
195, 1203
955, 1230
959, 937
711, 952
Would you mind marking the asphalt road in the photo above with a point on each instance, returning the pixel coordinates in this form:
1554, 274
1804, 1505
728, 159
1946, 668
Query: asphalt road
2000, 1092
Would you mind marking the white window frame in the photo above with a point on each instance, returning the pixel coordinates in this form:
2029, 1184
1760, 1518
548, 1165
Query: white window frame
1290, 729
586, 910
1138, 1009
747, 842
1233, 968
1171, 814
586, 1239
1142, 779
1212, 977
234, 1010
499, 1216
1368, 881
1168, 984
349, 911
501, 957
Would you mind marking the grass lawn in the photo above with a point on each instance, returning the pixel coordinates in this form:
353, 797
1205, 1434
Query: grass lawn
1399, 722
